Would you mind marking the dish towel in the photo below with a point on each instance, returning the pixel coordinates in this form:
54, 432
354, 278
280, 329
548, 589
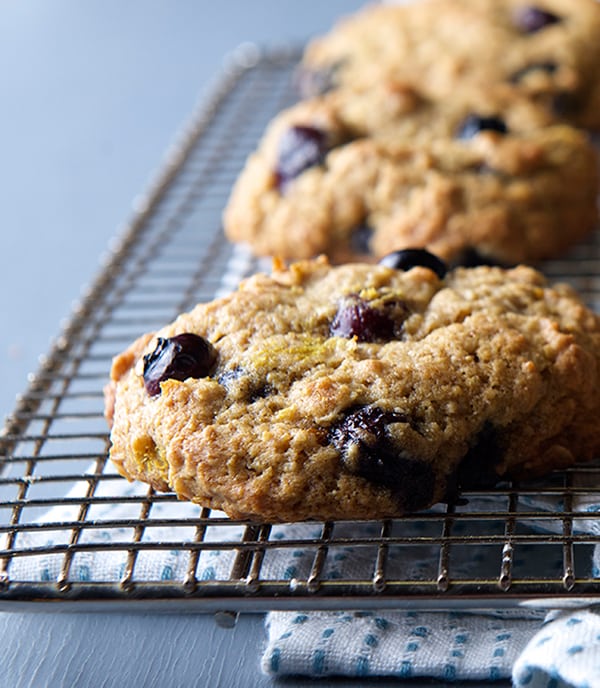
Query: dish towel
533, 647
562, 651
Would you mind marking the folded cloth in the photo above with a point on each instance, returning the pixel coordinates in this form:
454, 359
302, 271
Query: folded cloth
564, 653
405, 644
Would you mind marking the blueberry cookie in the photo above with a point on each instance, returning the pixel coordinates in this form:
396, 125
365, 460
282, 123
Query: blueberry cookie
358, 177
548, 50
359, 391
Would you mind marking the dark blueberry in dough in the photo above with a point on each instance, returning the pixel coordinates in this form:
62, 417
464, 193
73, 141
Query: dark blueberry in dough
300, 147
565, 104
479, 466
414, 257
366, 448
473, 124
369, 321
261, 391
177, 358
548, 67
530, 19
243, 385
471, 258
360, 239
315, 82
228, 378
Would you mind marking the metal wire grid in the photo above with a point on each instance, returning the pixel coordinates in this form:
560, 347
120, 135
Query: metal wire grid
521, 542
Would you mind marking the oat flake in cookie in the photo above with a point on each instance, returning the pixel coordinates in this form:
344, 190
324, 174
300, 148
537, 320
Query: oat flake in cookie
359, 391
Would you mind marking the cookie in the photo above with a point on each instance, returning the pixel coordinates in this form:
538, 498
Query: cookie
355, 176
359, 391
548, 50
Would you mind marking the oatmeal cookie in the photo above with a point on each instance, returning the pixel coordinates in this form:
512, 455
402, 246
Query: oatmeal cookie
359, 391
356, 178
548, 50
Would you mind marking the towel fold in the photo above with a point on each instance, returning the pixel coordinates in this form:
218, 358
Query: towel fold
564, 653
405, 644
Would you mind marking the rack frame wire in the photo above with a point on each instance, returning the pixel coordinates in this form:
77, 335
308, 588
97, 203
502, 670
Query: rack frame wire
527, 545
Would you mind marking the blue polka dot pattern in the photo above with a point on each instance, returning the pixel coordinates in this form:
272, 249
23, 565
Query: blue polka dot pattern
318, 663
565, 653
371, 640
449, 647
274, 660
449, 673
420, 631
208, 573
84, 574
362, 666
290, 572
406, 669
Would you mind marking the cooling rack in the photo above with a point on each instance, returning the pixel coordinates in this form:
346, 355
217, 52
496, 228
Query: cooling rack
73, 531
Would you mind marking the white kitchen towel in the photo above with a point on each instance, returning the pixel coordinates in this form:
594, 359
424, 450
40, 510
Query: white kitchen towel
448, 646
457, 645
534, 647
453, 645
563, 652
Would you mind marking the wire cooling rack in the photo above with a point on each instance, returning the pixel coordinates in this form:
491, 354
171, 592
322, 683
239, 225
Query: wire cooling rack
72, 530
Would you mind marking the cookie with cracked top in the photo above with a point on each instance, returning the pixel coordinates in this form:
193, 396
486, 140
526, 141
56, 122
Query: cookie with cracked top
355, 176
547, 50
359, 391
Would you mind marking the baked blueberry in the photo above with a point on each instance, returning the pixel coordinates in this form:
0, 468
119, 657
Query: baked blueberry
548, 67
300, 147
473, 124
414, 257
375, 320
362, 438
472, 258
315, 82
177, 358
478, 467
241, 384
360, 239
530, 19
566, 104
